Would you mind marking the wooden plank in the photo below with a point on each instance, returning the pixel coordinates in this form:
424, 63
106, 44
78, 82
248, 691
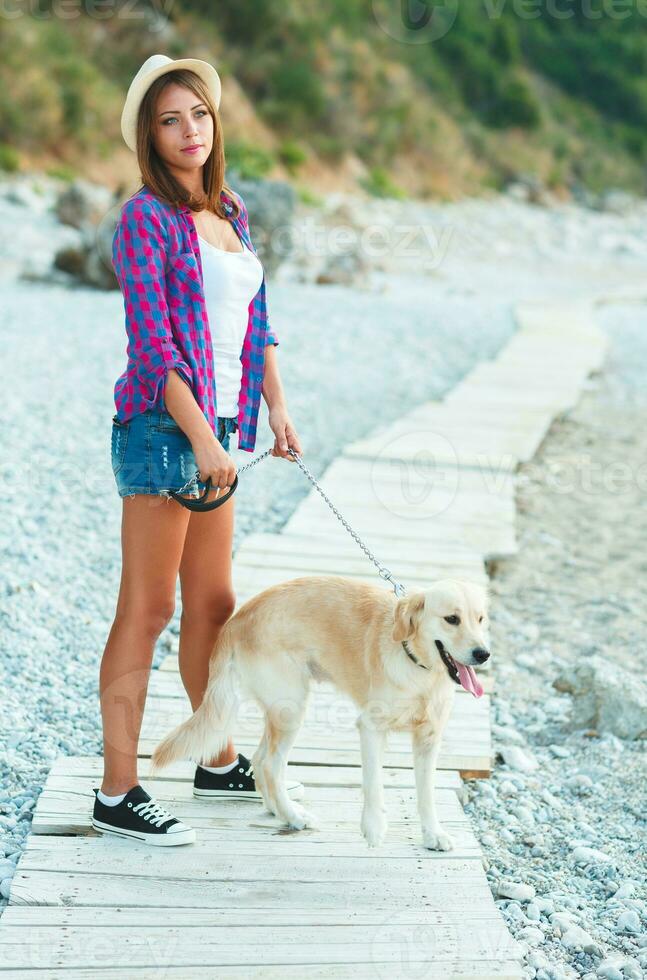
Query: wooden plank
259, 837
490, 540
462, 760
91, 767
441, 528
310, 548
454, 884
474, 572
464, 970
166, 682
471, 393
248, 829
400, 501
330, 728
493, 448
335, 805
331, 719
360, 938
250, 578
297, 943
345, 469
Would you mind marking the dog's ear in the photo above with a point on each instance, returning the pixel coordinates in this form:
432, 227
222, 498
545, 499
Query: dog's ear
407, 614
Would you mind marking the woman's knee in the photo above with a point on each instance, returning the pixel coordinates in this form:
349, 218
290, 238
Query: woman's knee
150, 618
215, 608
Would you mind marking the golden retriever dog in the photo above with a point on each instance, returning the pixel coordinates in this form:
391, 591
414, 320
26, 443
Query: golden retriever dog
400, 660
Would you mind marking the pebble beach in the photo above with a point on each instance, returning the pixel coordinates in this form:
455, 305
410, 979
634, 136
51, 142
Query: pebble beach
562, 819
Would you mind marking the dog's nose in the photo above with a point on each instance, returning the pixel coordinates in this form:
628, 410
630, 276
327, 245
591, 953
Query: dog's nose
480, 655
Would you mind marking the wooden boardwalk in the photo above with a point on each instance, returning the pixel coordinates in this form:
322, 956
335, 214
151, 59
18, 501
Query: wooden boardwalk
432, 495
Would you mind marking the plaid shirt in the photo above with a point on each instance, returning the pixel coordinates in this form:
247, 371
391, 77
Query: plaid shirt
156, 258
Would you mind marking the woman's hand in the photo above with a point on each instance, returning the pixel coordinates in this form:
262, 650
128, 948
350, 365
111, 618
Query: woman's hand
215, 462
285, 435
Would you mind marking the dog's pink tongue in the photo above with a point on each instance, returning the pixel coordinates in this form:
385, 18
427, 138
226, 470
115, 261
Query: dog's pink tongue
469, 680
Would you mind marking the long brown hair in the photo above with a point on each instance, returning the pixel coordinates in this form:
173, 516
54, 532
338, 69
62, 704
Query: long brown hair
153, 171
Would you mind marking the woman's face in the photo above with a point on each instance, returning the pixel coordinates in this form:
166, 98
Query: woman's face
182, 121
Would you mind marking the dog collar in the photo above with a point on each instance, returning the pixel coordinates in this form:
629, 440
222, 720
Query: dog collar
412, 656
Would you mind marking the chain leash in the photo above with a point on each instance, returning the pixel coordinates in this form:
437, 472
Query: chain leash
383, 571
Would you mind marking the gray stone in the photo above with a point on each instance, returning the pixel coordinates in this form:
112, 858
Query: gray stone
519, 892
606, 697
580, 784
626, 890
577, 938
589, 855
609, 971
83, 204
271, 206
517, 758
616, 201
628, 921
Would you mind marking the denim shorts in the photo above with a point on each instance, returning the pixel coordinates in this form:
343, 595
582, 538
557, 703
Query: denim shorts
152, 454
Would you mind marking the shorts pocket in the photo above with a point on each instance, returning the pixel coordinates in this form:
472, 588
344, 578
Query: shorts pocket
119, 441
166, 423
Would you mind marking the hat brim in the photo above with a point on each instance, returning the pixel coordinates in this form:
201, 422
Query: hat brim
140, 86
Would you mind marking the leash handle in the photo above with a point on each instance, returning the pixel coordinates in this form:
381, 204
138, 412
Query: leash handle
201, 503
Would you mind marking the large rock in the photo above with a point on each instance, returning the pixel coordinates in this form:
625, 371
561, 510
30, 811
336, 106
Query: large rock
271, 205
90, 260
606, 697
83, 205
93, 210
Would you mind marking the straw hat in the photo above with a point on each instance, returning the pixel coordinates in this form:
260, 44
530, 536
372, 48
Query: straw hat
153, 67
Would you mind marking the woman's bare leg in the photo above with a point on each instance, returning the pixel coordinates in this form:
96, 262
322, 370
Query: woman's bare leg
208, 600
152, 537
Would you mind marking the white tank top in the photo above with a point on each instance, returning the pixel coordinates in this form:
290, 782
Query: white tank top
231, 280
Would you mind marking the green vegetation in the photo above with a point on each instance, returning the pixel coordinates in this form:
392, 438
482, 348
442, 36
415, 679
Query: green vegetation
250, 161
380, 184
9, 159
502, 91
292, 155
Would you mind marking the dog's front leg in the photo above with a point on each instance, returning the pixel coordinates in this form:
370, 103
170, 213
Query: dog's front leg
372, 742
426, 746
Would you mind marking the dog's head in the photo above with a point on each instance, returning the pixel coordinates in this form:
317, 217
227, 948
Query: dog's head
448, 620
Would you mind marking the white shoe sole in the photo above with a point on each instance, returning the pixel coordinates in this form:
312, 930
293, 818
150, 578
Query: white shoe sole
158, 840
294, 790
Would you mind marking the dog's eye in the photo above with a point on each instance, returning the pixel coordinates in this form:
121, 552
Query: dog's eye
480, 619
452, 620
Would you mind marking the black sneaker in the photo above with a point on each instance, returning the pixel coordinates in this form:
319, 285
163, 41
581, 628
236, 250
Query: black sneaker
238, 783
140, 816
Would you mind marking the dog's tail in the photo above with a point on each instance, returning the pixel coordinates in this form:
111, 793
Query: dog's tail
209, 728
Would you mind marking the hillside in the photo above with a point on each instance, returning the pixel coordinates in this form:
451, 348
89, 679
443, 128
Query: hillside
342, 96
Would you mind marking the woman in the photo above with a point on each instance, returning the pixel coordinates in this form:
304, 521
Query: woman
196, 319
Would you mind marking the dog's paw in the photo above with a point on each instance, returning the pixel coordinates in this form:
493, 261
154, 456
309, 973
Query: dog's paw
438, 840
373, 827
298, 818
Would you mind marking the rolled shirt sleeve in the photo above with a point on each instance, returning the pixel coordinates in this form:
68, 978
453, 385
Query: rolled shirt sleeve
139, 250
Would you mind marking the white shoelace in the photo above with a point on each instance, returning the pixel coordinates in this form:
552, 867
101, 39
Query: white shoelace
153, 811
